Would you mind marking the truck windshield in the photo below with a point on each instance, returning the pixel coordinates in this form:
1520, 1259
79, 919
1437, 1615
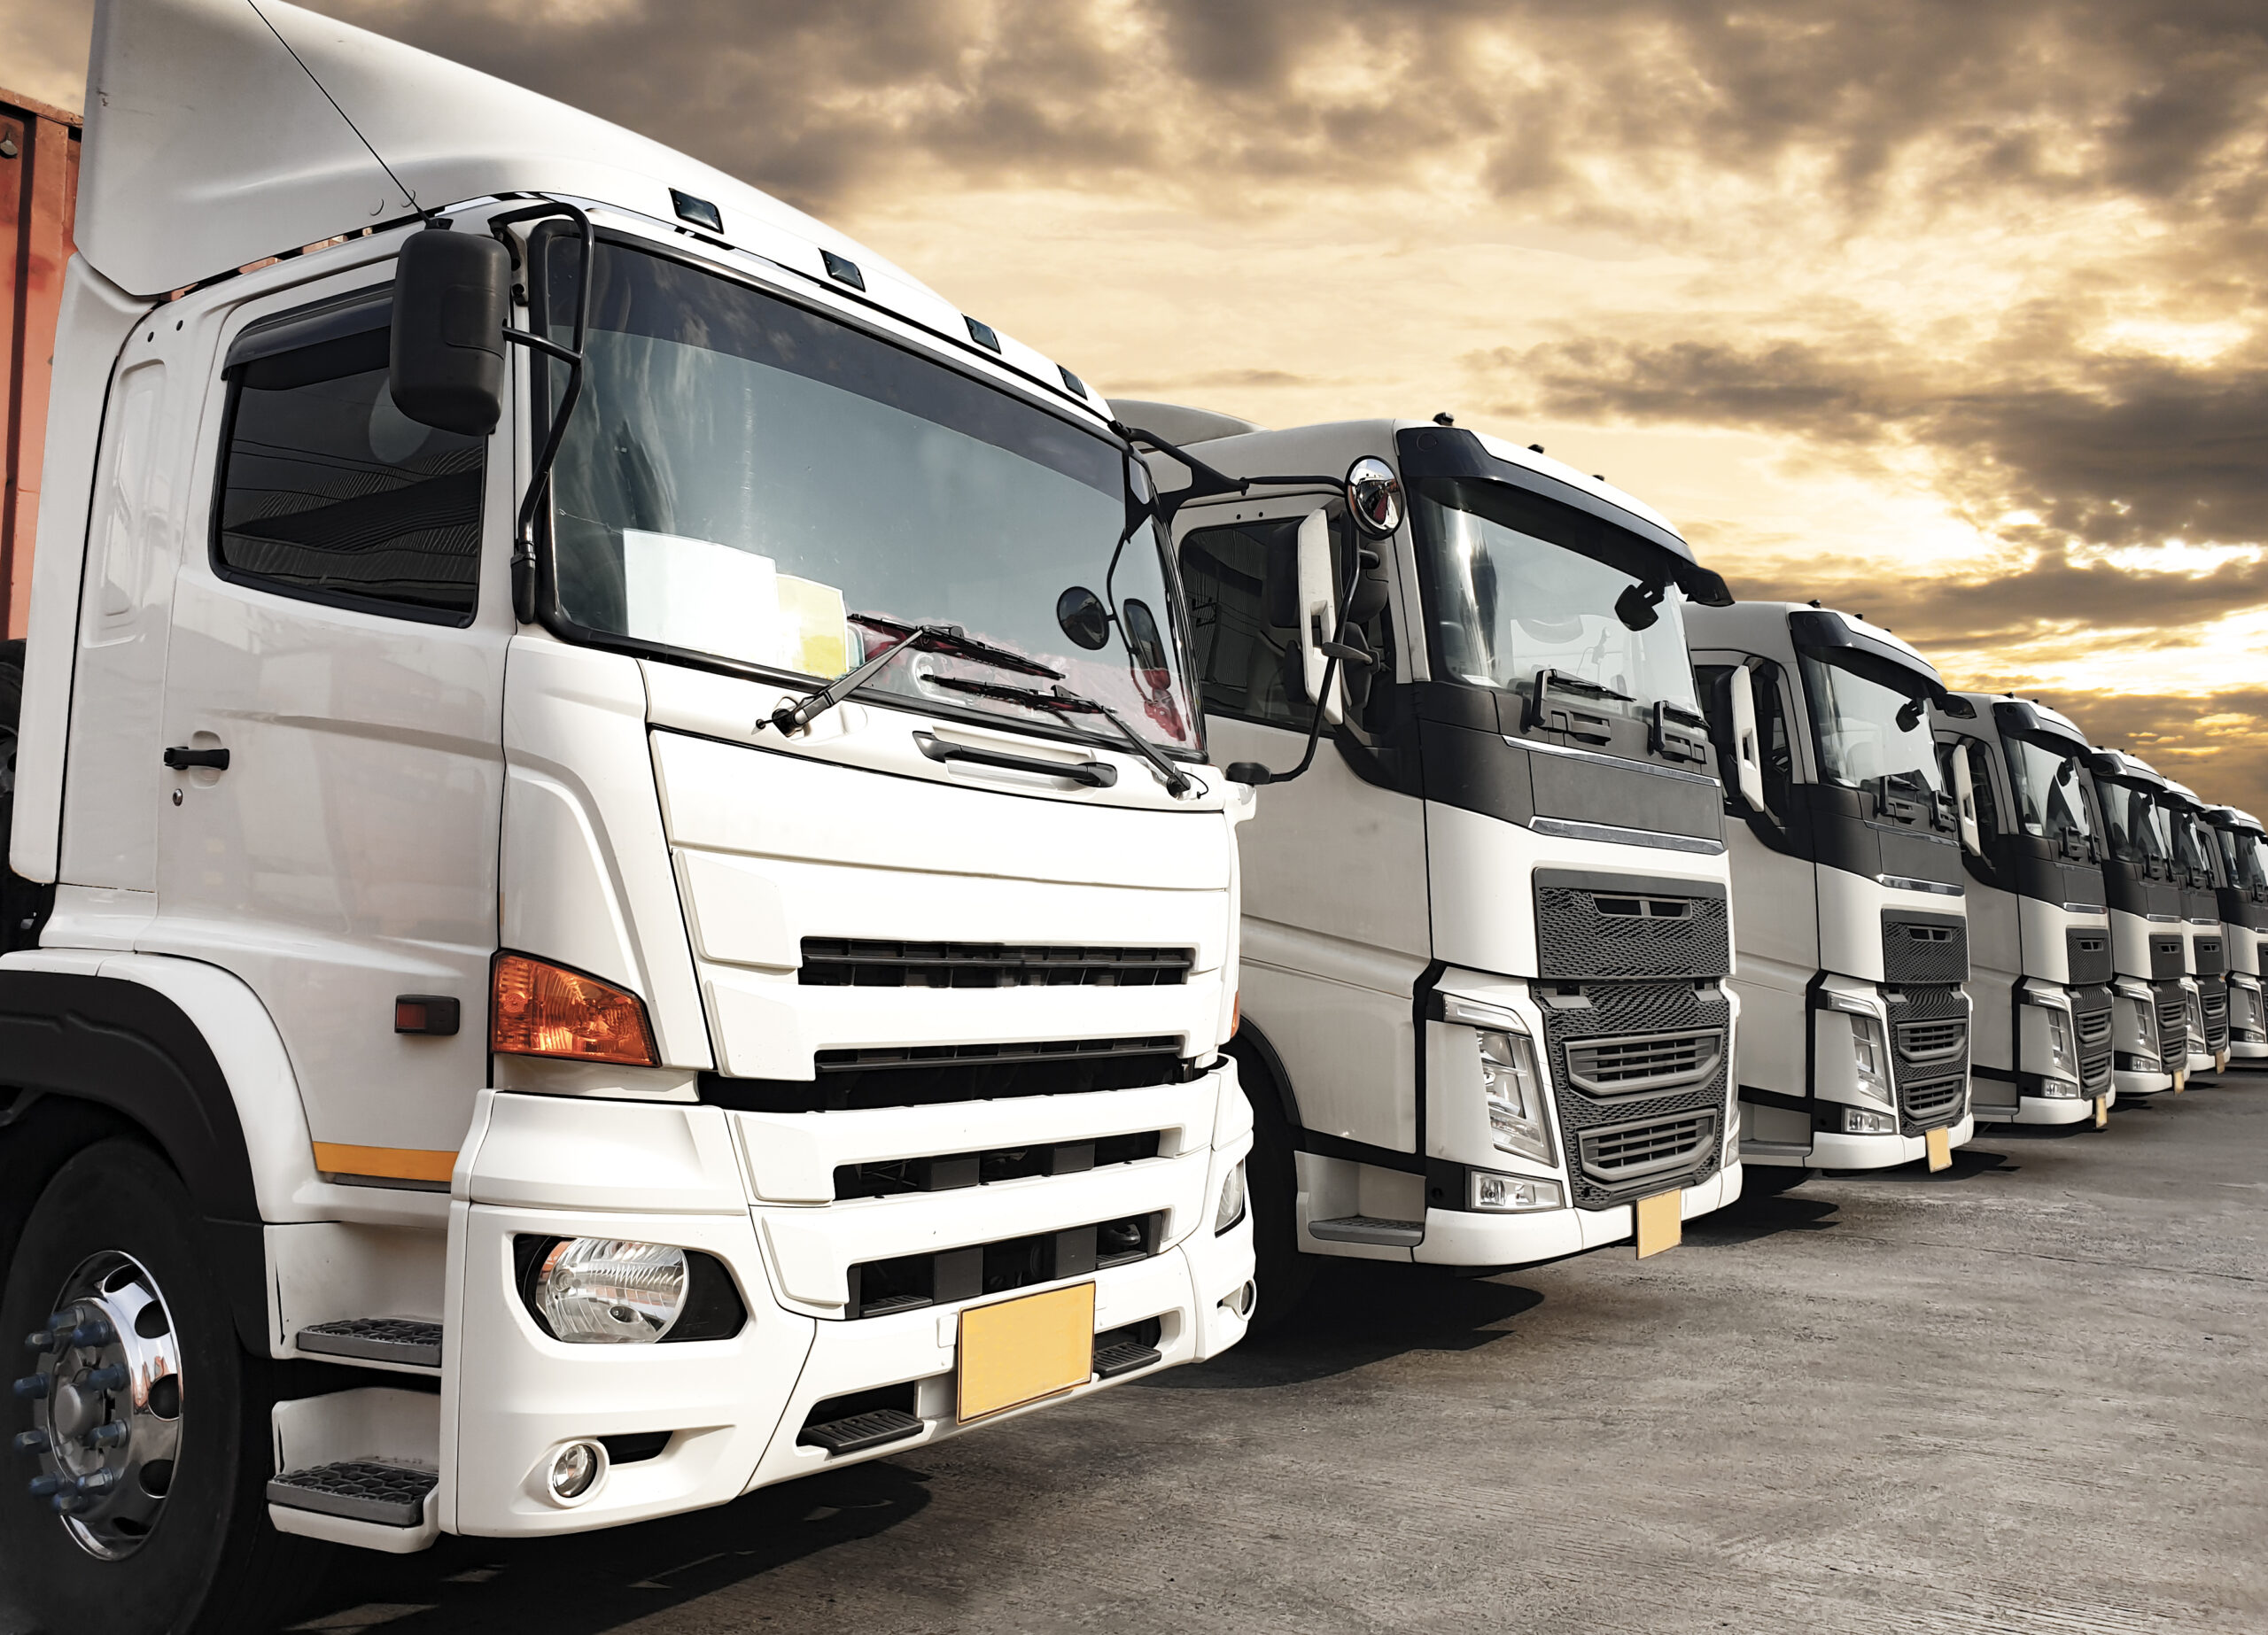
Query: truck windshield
1511, 591
1871, 736
744, 479
2139, 831
2049, 785
2240, 860
2192, 849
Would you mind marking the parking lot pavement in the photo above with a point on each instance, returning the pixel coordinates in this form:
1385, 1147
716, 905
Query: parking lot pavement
2026, 1395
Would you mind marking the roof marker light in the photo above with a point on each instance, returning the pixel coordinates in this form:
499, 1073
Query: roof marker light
982, 333
842, 269
700, 211
1072, 383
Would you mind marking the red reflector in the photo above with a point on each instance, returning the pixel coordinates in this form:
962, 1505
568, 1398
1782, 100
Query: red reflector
544, 1009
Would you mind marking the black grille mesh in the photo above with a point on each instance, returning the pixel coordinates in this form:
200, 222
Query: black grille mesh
846, 962
1930, 1093
1923, 948
2089, 953
1606, 935
2167, 957
2213, 993
2210, 960
1619, 1010
2091, 1014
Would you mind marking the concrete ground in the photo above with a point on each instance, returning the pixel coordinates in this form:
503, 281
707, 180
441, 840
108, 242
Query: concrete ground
2026, 1395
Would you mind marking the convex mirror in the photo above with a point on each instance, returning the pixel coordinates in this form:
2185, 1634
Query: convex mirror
1374, 496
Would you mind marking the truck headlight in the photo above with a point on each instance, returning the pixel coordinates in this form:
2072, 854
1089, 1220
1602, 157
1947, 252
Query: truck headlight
1869, 1057
1512, 1085
2060, 1055
1230, 1209
1511, 1194
1866, 1121
609, 1290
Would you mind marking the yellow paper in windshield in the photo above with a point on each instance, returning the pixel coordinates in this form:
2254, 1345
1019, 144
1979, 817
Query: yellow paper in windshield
812, 628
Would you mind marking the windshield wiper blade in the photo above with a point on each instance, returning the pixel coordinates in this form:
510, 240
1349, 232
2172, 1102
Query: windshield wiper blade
1063, 702
794, 715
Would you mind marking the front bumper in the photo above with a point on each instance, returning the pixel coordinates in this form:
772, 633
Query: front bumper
1463, 1237
735, 1409
2053, 1110
1833, 1150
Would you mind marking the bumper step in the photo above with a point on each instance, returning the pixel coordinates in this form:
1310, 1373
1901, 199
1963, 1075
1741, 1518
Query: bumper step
411, 1341
861, 1431
389, 1495
1124, 1358
1369, 1229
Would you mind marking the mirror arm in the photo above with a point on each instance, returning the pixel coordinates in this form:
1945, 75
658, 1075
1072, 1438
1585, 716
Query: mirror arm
538, 489
1207, 480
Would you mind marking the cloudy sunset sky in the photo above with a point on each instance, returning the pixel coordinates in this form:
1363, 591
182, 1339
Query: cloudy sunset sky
1955, 314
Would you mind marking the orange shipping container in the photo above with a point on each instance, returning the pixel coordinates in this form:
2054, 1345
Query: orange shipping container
39, 185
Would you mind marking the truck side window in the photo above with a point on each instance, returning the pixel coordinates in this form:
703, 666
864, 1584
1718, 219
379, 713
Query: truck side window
1988, 806
1242, 584
329, 494
1773, 744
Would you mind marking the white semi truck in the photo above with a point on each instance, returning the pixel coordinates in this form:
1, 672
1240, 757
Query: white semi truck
625, 899
1852, 943
2148, 944
1485, 1020
2197, 864
2243, 848
2039, 963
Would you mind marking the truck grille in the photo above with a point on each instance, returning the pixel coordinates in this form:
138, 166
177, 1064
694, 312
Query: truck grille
2213, 993
2210, 960
844, 962
951, 1172
1930, 1062
2091, 1017
1923, 948
2173, 1026
1588, 928
910, 1282
1629, 1136
1627, 1152
2094, 1026
2167, 959
1931, 1104
2089, 954
1649, 1062
924, 1075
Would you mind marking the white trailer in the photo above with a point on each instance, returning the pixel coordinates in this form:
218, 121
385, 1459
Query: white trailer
2240, 841
1852, 943
1485, 1020
556, 995
2039, 964
2148, 944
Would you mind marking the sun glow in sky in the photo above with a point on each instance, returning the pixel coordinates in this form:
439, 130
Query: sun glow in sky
1949, 314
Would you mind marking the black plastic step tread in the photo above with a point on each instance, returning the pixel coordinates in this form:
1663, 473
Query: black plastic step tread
377, 1339
1125, 1358
861, 1431
1368, 1229
391, 1495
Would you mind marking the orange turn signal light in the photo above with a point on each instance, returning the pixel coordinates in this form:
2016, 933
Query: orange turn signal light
540, 1009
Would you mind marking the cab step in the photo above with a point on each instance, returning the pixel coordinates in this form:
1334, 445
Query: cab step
861, 1431
410, 1341
1126, 1357
358, 1490
1369, 1229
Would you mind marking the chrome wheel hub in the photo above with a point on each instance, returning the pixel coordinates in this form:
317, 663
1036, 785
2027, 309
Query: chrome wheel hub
106, 1405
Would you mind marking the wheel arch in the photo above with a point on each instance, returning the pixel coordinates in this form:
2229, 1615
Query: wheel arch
182, 1053
1257, 1058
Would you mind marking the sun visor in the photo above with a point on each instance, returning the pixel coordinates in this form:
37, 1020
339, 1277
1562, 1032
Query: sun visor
2014, 715
1829, 636
210, 144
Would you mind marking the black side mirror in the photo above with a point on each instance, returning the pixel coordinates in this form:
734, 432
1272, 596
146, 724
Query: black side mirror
452, 292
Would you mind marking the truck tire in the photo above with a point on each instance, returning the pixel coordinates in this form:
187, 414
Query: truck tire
173, 1537
1283, 1272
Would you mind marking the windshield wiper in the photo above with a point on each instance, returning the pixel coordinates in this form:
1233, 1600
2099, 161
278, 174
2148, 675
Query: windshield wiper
793, 716
1063, 702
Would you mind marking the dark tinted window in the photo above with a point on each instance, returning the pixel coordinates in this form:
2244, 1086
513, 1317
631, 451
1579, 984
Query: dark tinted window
327, 491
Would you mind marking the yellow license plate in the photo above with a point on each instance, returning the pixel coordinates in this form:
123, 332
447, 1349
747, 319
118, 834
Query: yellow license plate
2101, 1111
1661, 1222
1939, 1144
1019, 1351
2181, 1081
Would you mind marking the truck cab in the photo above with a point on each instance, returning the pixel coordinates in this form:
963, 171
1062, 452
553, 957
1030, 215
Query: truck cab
2039, 963
2149, 941
629, 903
1852, 943
1485, 1020
2243, 893
2197, 860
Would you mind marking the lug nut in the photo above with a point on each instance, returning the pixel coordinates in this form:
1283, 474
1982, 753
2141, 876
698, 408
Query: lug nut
109, 1436
67, 1504
32, 1385
95, 1331
96, 1483
112, 1378
41, 1340
33, 1442
43, 1487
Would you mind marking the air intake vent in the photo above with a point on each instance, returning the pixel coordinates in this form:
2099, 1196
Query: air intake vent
843, 962
1626, 1151
1923, 948
1649, 1062
1936, 1102
1932, 1041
